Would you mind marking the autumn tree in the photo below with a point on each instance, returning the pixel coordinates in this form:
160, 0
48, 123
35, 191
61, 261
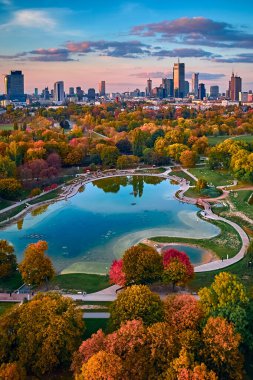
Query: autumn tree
116, 274
9, 188
102, 366
136, 302
41, 334
177, 268
221, 349
36, 267
142, 265
8, 261
188, 158
12, 371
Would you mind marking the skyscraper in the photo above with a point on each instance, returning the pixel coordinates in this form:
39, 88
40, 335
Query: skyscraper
179, 79
202, 91
235, 86
101, 88
167, 85
186, 87
149, 87
14, 86
195, 83
91, 94
71, 91
214, 92
59, 91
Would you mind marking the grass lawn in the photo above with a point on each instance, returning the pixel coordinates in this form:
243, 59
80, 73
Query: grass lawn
245, 275
12, 283
214, 140
6, 305
211, 192
52, 195
11, 213
93, 325
182, 174
240, 201
6, 127
4, 203
74, 282
214, 177
227, 242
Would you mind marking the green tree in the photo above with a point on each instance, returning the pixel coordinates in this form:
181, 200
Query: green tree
136, 302
36, 267
8, 261
41, 334
142, 265
109, 155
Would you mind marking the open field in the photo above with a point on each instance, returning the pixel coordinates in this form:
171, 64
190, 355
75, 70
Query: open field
214, 177
6, 127
214, 140
74, 282
239, 199
181, 174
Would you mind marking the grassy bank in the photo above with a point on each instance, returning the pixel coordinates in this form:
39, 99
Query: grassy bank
11, 213
181, 174
227, 242
74, 282
240, 201
214, 177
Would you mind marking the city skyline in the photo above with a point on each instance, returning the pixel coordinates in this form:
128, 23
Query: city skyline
124, 43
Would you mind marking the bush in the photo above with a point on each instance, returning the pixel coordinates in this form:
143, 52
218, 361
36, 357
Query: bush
34, 192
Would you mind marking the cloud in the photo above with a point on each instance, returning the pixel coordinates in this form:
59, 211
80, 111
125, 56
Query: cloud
206, 76
50, 55
184, 53
128, 49
29, 18
239, 58
197, 31
146, 75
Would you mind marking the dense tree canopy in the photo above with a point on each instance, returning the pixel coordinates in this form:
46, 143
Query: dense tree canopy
8, 261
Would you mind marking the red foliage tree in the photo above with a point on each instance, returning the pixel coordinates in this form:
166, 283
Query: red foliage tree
173, 254
116, 274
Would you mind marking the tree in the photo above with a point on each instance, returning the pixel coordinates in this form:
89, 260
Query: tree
124, 146
188, 158
225, 292
109, 155
102, 366
201, 184
142, 265
182, 312
12, 371
127, 161
116, 273
136, 302
8, 261
9, 188
41, 334
36, 267
221, 349
177, 268
7, 167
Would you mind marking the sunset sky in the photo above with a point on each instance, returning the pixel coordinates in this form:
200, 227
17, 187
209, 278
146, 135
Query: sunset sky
83, 42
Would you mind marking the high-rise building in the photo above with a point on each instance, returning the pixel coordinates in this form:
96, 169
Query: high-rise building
36, 92
167, 85
14, 86
195, 83
59, 91
91, 94
101, 88
186, 88
235, 86
214, 92
179, 79
202, 91
149, 88
71, 91
79, 93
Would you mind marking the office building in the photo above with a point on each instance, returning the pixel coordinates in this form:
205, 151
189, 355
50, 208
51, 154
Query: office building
14, 86
71, 91
91, 94
79, 94
167, 85
214, 92
195, 84
101, 88
149, 88
59, 92
243, 97
202, 91
235, 86
36, 92
179, 79
186, 88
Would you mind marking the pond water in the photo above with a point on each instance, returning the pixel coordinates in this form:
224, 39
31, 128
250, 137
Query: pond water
88, 231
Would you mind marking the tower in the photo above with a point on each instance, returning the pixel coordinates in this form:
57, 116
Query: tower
235, 86
14, 86
59, 91
149, 87
195, 83
101, 88
179, 79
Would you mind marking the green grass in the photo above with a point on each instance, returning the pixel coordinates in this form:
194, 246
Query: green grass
240, 201
244, 274
209, 192
46, 197
4, 306
93, 325
4, 203
9, 214
6, 127
214, 140
227, 242
182, 174
214, 177
74, 282
11, 283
